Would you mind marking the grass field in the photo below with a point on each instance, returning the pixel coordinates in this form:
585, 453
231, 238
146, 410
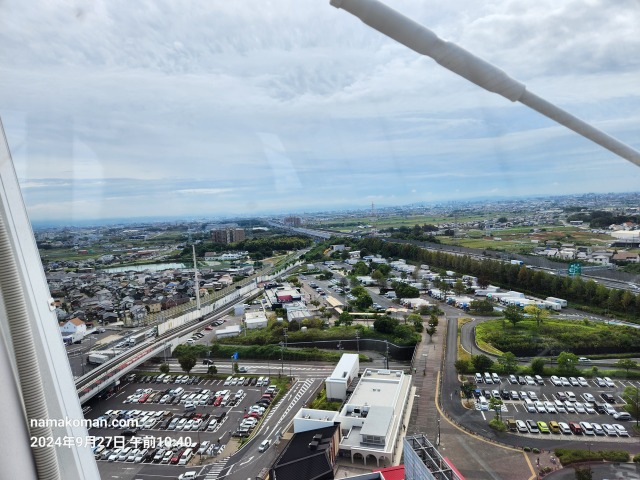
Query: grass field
555, 335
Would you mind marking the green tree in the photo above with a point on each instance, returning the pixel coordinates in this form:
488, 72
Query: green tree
431, 331
236, 369
467, 389
508, 363
538, 314
481, 307
360, 269
344, 319
495, 404
212, 370
164, 368
513, 314
377, 276
627, 364
459, 288
537, 366
481, 363
631, 395
462, 366
385, 324
187, 362
583, 473
567, 362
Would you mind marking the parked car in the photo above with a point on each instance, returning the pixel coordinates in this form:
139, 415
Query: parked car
532, 426
564, 428
620, 430
609, 430
624, 416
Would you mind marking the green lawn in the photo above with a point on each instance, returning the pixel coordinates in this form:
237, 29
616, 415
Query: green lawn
554, 336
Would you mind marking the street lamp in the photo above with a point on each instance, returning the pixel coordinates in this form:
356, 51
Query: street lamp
281, 357
358, 340
425, 355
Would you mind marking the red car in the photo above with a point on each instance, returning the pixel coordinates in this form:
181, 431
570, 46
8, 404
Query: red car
143, 398
218, 401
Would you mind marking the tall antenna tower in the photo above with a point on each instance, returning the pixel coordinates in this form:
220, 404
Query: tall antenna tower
374, 230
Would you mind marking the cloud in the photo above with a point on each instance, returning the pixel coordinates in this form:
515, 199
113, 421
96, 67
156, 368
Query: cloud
156, 107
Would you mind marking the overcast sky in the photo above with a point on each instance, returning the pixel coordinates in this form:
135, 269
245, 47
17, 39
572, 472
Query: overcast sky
212, 108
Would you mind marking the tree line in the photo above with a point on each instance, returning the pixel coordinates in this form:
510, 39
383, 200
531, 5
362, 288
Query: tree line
585, 294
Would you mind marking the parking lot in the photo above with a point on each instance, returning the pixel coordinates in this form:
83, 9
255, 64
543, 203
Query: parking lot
178, 419
558, 406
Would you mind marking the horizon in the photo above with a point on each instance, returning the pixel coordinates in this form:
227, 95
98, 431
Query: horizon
365, 210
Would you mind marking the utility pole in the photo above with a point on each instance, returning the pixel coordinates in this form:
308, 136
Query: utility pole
197, 281
387, 357
358, 340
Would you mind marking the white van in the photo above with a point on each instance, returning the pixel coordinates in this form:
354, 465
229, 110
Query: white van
186, 456
259, 382
483, 403
178, 391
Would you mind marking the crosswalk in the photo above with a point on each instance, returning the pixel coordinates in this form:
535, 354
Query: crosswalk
216, 469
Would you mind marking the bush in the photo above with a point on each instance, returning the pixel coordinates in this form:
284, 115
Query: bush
498, 425
568, 456
535, 450
636, 459
527, 449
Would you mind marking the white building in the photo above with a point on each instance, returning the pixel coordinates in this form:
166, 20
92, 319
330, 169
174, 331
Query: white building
371, 420
255, 320
344, 373
309, 419
231, 331
74, 326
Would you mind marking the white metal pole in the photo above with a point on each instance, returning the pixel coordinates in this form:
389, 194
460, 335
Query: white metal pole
455, 58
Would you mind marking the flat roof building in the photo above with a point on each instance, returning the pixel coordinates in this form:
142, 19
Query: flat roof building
344, 373
371, 419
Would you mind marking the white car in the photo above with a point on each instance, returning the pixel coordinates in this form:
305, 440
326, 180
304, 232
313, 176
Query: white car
564, 428
609, 382
203, 446
583, 382
589, 398
579, 407
571, 396
597, 429
609, 409
529, 379
564, 381
620, 430
540, 407
556, 381
574, 381
609, 430
589, 409
551, 408
569, 407
188, 476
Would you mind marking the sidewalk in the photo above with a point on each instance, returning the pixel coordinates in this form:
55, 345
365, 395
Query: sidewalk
476, 458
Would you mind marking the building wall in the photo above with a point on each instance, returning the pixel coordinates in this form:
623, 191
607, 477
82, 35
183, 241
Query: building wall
228, 235
336, 389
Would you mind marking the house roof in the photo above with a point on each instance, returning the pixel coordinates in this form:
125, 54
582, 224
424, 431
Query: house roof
76, 321
298, 461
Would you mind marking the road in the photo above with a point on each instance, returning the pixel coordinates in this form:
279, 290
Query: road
472, 420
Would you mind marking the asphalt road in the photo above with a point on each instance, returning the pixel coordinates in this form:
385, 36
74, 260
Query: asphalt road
474, 421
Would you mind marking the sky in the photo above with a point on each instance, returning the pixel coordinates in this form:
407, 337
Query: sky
116, 109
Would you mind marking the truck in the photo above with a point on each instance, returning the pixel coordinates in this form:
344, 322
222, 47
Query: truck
517, 262
560, 301
98, 358
70, 338
137, 338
